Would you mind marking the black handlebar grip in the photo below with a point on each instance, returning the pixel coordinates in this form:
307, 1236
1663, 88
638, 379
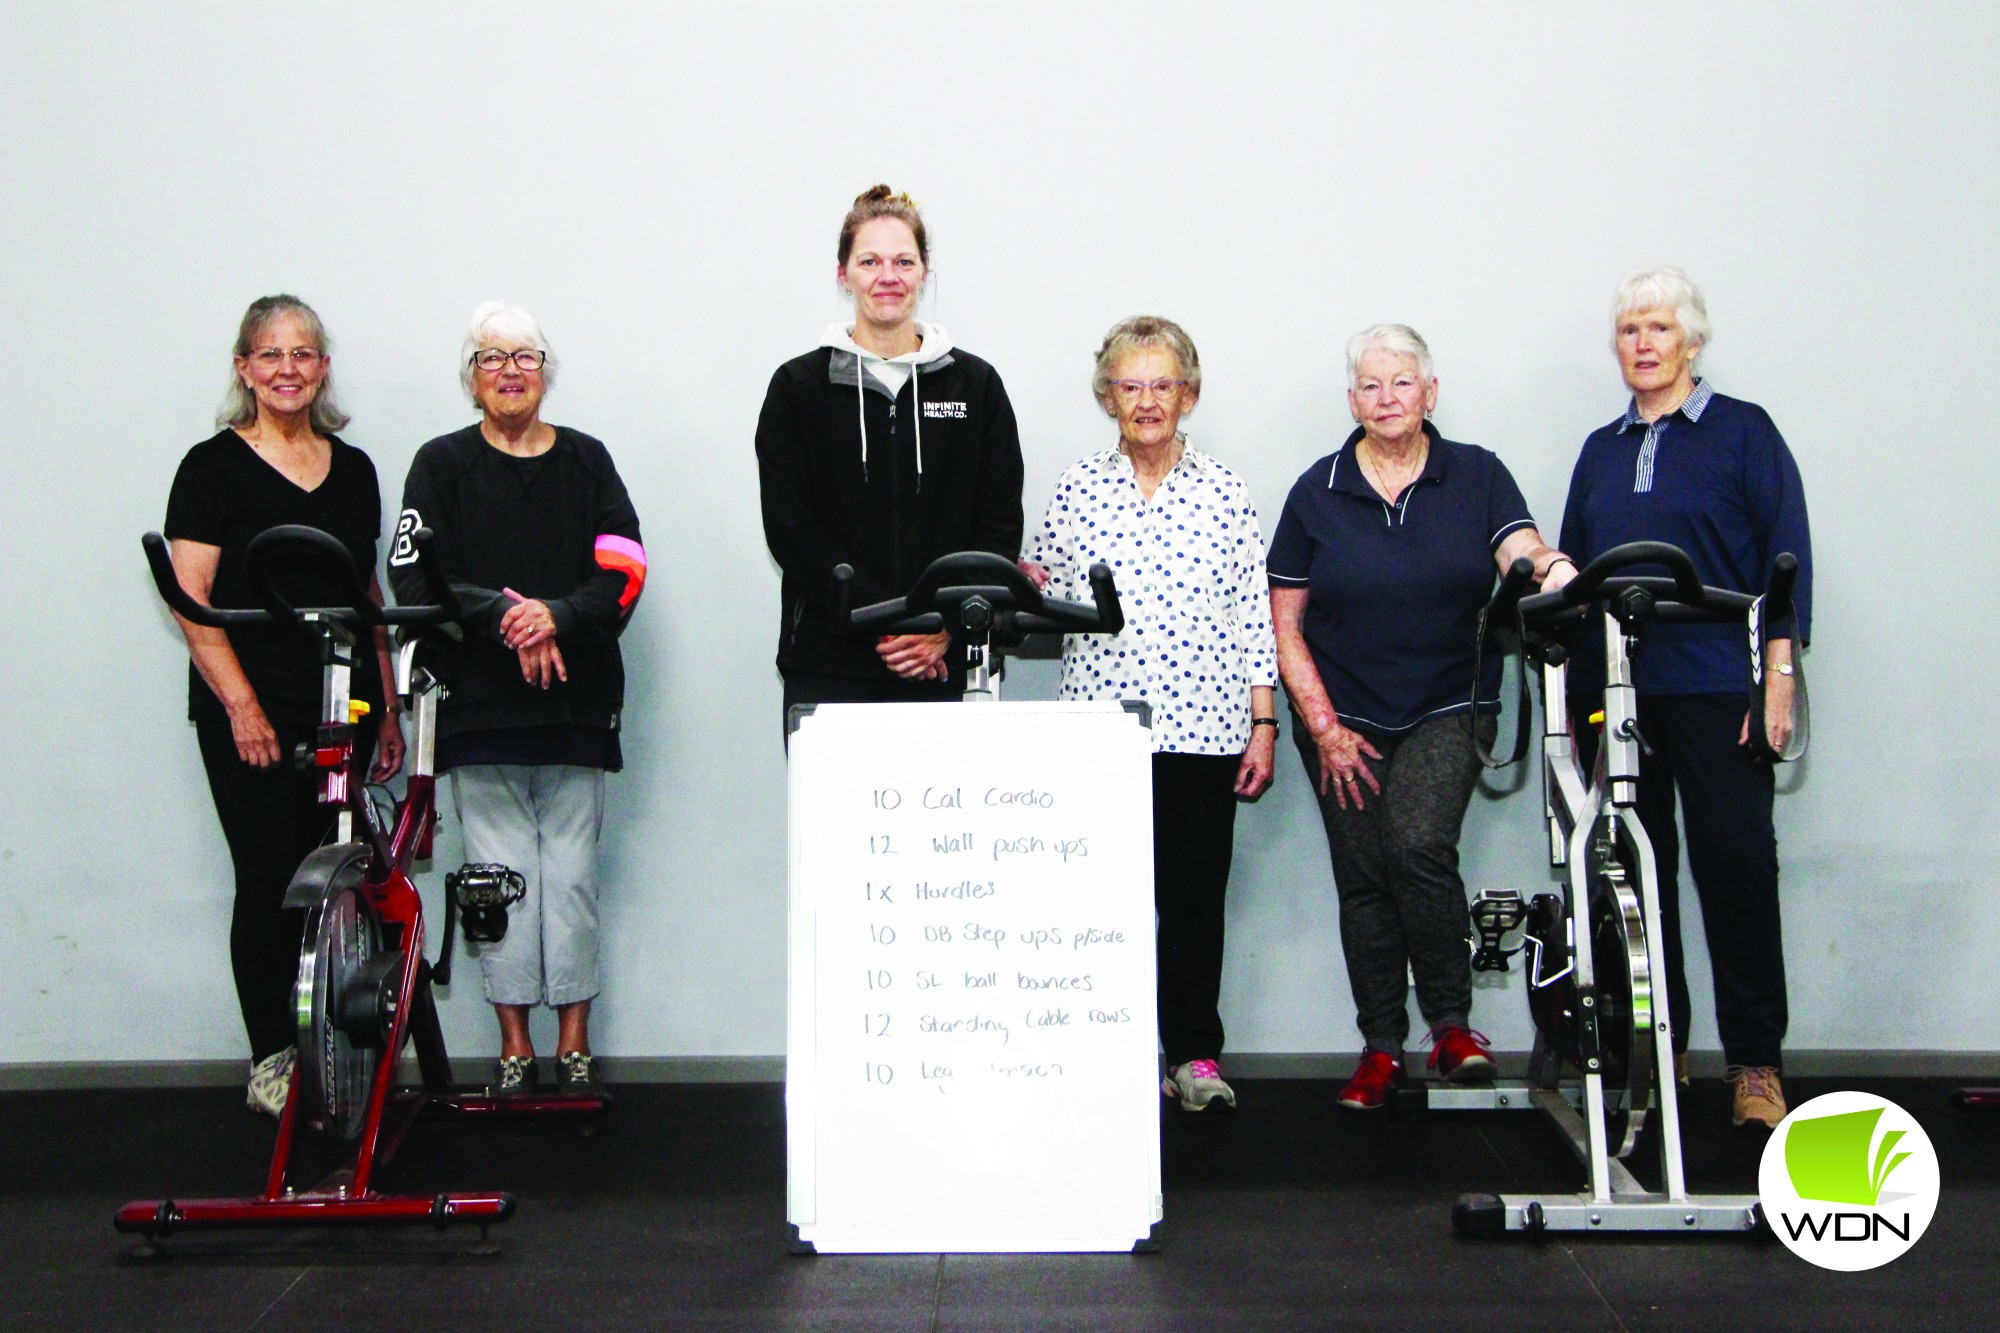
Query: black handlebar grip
1512, 584
843, 597
1687, 583
448, 606
1104, 591
176, 596
1784, 581
330, 552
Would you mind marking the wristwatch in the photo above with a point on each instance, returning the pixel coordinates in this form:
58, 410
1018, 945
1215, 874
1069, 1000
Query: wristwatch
1782, 668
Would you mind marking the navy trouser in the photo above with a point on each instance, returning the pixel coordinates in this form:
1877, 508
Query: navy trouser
1194, 834
1732, 852
1395, 866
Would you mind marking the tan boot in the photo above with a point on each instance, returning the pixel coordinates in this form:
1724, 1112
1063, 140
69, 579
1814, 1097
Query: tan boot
1760, 1098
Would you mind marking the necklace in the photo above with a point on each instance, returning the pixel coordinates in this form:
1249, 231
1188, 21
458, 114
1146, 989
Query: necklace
1379, 476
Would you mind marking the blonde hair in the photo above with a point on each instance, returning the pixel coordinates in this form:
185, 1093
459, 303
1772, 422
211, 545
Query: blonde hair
239, 405
1128, 335
880, 202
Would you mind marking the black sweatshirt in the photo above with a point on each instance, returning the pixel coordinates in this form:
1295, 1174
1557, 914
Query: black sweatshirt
536, 526
826, 503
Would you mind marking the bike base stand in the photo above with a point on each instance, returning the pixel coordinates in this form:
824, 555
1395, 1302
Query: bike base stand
1629, 1205
1498, 1214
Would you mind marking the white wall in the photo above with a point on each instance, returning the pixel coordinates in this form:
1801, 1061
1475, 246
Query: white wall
663, 186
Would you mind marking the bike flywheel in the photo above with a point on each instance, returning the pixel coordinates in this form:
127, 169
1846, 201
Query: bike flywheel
336, 1073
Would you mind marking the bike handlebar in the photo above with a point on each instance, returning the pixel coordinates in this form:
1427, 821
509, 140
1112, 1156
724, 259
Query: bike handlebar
1680, 597
360, 610
951, 581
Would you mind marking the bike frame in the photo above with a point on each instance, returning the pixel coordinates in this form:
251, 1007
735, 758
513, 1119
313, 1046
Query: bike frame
348, 1196
1592, 821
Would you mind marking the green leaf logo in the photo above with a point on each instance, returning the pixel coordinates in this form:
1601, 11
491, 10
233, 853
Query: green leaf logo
1828, 1159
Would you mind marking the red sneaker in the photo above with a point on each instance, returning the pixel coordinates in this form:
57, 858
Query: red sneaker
1380, 1074
1460, 1056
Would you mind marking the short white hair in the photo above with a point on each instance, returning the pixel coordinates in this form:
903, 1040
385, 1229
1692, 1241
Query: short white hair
1652, 286
510, 323
1398, 338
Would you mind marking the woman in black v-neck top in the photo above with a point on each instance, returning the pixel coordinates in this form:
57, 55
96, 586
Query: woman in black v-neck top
254, 692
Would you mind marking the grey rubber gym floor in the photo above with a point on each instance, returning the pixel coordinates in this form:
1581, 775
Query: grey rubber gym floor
1287, 1214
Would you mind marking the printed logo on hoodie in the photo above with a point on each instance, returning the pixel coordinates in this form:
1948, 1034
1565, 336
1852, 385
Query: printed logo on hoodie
955, 411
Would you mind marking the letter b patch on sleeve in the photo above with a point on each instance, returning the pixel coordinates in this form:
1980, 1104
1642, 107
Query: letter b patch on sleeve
403, 550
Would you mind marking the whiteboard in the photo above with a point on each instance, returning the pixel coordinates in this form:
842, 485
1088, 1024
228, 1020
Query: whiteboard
972, 1057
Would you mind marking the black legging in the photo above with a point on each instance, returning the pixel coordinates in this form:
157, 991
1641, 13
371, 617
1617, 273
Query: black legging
1194, 829
272, 819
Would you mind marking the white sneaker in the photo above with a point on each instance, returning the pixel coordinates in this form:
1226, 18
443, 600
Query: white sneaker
1199, 1085
271, 1082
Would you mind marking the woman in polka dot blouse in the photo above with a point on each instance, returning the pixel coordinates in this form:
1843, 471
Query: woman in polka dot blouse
1178, 530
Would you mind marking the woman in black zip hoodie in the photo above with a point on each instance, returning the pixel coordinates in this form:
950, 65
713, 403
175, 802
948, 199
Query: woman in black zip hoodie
883, 448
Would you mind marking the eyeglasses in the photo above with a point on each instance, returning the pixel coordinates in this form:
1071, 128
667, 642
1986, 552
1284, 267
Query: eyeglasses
492, 358
270, 358
1132, 390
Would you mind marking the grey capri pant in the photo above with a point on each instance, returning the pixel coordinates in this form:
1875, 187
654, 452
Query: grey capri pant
542, 820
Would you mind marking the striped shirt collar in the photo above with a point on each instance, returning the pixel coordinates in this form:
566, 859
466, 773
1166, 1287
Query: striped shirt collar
1692, 407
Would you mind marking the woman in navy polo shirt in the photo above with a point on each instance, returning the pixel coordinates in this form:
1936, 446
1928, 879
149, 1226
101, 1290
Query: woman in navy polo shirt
1385, 553
1683, 464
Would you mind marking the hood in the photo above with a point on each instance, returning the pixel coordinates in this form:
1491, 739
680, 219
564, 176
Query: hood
936, 344
935, 349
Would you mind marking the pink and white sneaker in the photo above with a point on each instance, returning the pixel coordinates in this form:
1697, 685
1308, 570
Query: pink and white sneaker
1198, 1084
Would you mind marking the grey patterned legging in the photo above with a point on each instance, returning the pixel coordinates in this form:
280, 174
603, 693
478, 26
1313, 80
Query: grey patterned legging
1395, 866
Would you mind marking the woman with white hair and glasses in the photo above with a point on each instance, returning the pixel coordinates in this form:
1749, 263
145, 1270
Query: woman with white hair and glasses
541, 544
1180, 532
254, 692
1386, 551
1709, 474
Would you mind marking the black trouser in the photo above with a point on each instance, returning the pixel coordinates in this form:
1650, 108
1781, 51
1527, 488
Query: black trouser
271, 818
804, 688
1732, 851
1194, 832
1395, 867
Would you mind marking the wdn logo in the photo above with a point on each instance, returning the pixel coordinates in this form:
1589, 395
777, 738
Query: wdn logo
1849, 1181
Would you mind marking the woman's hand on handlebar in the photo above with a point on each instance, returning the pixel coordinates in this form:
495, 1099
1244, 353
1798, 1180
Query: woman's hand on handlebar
1559, 573
388, 747
915, 656
542, 662
1341, 766
1035, 572
256, 740
1778, 694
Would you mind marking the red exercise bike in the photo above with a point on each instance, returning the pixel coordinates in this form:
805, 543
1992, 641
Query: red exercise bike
364, 987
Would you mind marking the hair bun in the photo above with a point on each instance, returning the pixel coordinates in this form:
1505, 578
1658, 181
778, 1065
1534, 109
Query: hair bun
874, 195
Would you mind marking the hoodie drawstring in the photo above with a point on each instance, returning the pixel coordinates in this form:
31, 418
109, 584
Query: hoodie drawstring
861, 413
861, 418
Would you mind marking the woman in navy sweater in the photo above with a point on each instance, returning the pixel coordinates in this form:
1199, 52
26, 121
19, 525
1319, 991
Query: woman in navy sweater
1710, 474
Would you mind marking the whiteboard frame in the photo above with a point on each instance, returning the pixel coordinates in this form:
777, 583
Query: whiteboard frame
1133, 1227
